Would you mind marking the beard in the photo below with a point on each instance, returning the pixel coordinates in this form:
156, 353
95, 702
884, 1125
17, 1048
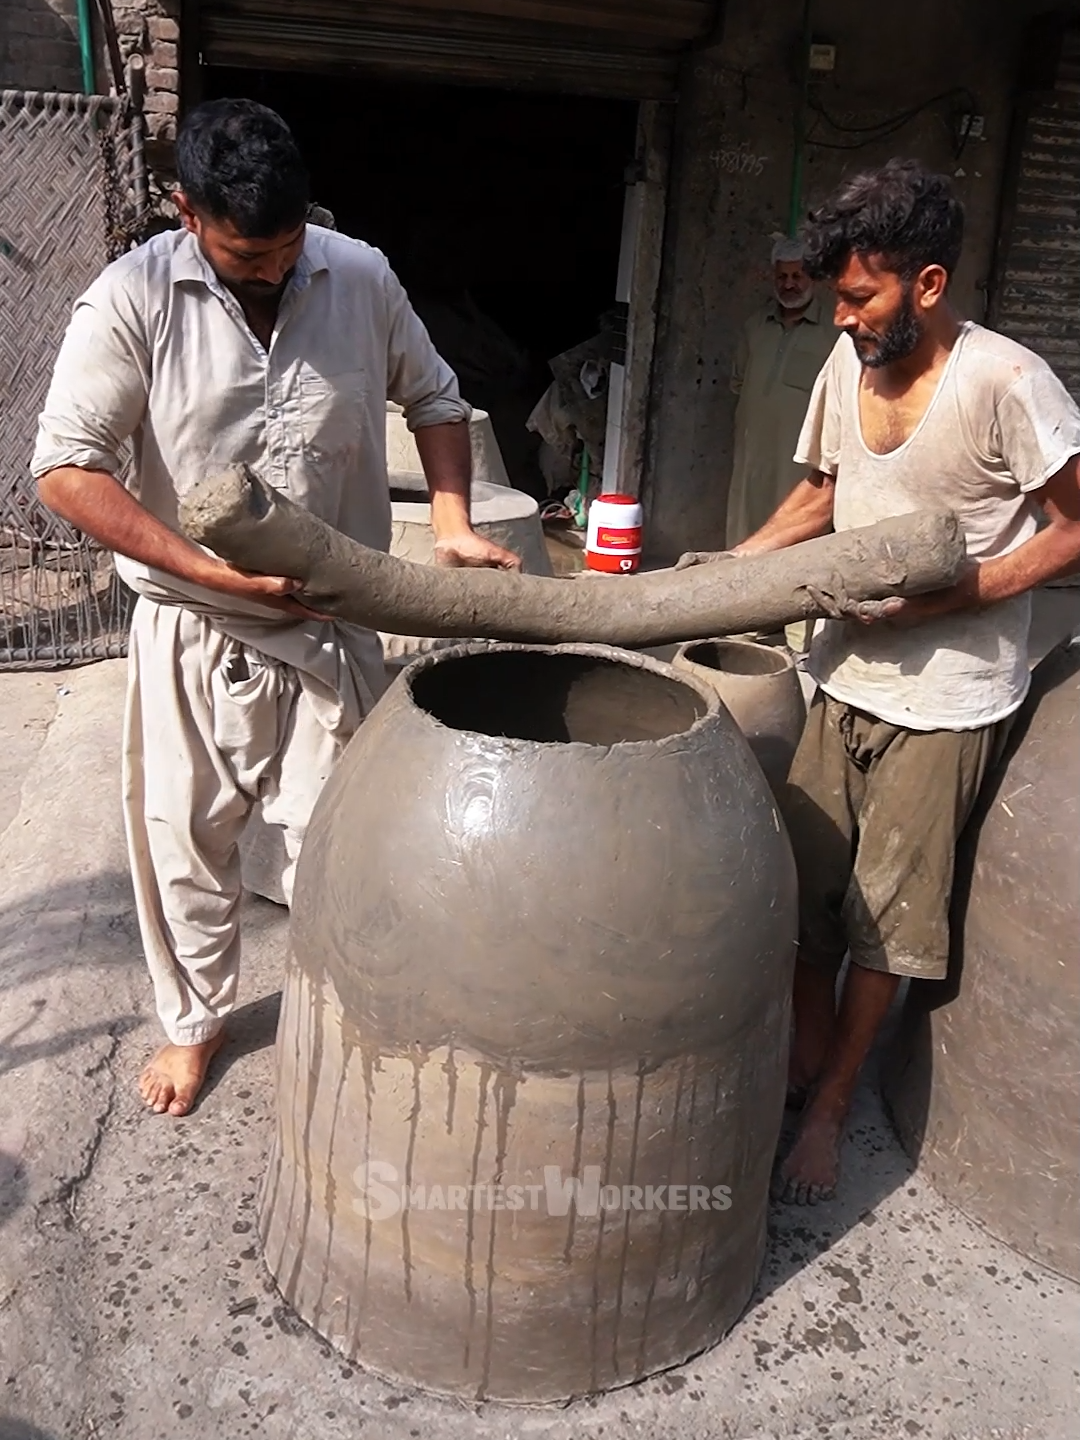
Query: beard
794, 302
897, 342
257, 290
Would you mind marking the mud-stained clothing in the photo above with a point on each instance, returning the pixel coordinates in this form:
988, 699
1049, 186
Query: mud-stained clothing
999, 425
909, 718
874, 812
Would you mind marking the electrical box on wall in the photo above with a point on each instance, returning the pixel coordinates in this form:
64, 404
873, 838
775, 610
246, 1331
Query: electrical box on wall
822, 59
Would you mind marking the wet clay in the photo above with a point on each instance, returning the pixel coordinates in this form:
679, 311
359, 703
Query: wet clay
259, 529
543, 928
760, 686
984, 1080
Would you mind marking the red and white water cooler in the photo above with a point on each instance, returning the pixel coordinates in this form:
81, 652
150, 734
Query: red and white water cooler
613, 539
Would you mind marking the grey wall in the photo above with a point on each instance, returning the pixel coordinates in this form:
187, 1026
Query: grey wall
731, 183
39, 47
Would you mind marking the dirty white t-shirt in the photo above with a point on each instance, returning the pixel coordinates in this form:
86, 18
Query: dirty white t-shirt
999, 426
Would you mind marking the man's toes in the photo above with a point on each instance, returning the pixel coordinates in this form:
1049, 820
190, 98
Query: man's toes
156, 1091
785, 1189
183, 1100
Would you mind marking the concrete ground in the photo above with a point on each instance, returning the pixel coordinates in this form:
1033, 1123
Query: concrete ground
132, 1300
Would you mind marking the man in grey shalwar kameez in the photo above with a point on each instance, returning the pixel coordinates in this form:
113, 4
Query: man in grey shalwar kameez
247, 335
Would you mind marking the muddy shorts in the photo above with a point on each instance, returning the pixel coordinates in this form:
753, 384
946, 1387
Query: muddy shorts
874, 812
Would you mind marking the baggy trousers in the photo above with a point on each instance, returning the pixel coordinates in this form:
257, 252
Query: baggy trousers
210, 727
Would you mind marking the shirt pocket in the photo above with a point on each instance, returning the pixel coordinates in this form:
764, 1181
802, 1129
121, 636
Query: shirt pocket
331, 411
801, 369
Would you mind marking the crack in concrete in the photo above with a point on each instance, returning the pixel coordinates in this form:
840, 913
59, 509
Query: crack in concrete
66, 1195
29, 774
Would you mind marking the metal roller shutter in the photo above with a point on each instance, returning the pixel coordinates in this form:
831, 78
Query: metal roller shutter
1036, 296
627, 48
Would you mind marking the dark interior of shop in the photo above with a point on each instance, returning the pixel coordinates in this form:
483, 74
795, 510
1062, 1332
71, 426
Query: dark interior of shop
500, 211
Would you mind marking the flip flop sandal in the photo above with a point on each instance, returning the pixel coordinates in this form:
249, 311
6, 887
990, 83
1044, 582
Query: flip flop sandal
554, 511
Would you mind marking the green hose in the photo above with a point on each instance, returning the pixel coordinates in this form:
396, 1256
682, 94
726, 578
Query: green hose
86, 45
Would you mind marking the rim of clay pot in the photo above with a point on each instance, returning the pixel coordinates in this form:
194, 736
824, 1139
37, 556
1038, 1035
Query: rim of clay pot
704, 693
753, 659
410, 501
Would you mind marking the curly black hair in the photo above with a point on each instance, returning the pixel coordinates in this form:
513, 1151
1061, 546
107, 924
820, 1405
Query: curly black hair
901, 212
237, 160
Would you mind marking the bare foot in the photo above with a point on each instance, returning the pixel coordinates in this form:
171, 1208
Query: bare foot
175, 1075
810, 1171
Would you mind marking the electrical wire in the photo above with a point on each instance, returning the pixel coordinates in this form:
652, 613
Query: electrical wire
893, 120
872, 134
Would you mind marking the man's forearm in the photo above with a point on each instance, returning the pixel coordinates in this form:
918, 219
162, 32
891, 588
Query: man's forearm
96, 503
1050, 555
806, 513
446, 455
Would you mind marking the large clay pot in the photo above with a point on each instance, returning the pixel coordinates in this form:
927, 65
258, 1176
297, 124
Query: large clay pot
501, 514
506, 516
759, 684
543, 928
403, 457
984, 1083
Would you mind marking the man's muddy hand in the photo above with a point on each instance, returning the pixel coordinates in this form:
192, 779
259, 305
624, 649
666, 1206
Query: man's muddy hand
472, 551
836, 604
703, 557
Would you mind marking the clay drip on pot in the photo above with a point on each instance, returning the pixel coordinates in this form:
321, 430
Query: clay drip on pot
542, 937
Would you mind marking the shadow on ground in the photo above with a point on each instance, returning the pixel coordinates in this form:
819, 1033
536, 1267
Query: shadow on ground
13, 1429
873, 1168
85, 923
252, 1028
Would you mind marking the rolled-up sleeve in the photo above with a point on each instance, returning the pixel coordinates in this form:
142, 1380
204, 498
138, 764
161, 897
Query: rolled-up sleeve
418, 378
99, 388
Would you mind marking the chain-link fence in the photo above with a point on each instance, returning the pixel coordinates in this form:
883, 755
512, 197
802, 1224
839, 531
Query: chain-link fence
72, 197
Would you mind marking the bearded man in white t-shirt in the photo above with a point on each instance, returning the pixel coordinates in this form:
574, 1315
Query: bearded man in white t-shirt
915, 409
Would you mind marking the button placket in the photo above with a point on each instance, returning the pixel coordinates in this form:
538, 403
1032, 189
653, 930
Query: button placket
287, 414
275, 459
276, 429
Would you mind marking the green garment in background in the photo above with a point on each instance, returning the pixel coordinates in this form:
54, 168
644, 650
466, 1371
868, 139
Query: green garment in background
773, 374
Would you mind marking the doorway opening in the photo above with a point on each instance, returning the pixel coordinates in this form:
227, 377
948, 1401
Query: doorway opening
501, 212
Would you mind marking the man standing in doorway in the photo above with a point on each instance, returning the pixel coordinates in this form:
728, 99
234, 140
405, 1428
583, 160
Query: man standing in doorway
915, 409
780, 352
247, 335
